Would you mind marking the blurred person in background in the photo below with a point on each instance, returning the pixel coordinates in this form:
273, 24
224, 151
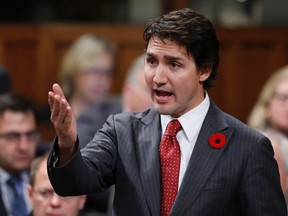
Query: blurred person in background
43, 198
135, 97
135, 92
86, 72
18, 142
270, 116
6, 87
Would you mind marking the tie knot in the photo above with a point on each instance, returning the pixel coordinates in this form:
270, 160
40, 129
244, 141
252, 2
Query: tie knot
14, 180
16, 183
173, 127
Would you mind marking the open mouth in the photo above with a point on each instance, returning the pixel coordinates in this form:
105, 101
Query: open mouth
161, 93
162, 96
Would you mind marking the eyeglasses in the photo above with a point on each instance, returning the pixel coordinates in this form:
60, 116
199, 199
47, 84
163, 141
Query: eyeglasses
280, 97
98, 72
49, 194
14, 137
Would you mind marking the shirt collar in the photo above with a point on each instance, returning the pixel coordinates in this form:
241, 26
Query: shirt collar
192, 120
4, 176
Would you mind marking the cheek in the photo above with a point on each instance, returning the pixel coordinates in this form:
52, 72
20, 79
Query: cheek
80, 84
33, 147
39, 205
7, 149
274, 112
71, 207
273, 108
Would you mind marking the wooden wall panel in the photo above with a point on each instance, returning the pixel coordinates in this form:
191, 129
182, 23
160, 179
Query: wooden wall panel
248, 57
18, 54
21, 58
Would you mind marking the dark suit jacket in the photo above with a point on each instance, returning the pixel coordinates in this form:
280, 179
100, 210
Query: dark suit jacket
239, 179
88, 123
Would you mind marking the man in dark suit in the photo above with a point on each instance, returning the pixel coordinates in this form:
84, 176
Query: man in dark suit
206, 163
18, 142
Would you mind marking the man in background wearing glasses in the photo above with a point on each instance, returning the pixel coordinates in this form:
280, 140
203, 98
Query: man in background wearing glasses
43, 198
18, 142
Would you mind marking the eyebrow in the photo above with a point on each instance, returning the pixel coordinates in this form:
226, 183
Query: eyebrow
166, 57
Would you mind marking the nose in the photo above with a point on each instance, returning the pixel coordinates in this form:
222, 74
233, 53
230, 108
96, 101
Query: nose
160, 76
24, 142
55, 200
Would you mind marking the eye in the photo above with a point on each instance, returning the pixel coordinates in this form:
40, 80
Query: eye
33, 135
12, 135
175, 65
46, 193
151, 61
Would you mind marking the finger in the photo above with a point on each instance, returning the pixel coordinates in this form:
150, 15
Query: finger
58, 90
50, 99
64, 120
62, 111
55, 107
67, 120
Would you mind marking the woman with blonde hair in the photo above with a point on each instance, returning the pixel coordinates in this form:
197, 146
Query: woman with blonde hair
270, 116
86, 72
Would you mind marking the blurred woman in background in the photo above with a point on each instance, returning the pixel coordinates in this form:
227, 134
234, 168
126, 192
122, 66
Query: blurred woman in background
86, 72
270, 115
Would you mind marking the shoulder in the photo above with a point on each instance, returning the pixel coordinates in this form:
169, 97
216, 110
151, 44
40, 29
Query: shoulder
246, 134
222, 120
130, 121
146, 116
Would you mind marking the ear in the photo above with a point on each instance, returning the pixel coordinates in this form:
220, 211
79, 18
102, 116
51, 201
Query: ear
30, 191
82, 201
205, 73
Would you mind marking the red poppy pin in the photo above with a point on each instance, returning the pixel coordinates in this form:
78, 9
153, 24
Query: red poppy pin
217, 140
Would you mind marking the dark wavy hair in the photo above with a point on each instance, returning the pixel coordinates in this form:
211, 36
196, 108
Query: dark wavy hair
191, 30
16, 103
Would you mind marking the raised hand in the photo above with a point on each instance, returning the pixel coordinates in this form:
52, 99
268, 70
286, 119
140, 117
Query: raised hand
63, 120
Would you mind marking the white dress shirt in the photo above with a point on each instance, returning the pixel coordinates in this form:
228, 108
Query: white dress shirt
191, 124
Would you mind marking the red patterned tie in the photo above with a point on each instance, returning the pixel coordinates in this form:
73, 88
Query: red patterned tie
170, 166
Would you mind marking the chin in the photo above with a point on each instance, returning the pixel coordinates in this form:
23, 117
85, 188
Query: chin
162, 109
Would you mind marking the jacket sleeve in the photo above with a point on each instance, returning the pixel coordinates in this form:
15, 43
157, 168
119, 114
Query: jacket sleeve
90, 170
261, 193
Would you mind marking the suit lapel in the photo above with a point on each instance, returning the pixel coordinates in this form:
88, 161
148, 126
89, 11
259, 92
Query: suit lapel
147, 141
203, 160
